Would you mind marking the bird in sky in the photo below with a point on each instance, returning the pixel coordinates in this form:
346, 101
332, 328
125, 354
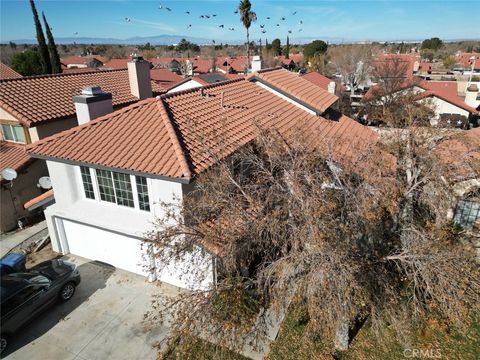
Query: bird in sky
264, 31
75, 33
268, 17
301, 22
127, 19
289, 31
189, 26
214, 15
201, 16
236, 11
283, 17
231, 29
207, 16
262, 26
278, 24
299, 30
168, 9
294, 13
187, 12
160, 6
221, 26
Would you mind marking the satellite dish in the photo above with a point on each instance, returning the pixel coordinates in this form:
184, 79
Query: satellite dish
45, 183
8, 174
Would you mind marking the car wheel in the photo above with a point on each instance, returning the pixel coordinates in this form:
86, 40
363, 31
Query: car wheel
67, 291
3, 343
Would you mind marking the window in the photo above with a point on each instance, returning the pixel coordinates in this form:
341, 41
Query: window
13, 133
142, 192
466, 213
123, 189
87, 182
115, 187
105, 185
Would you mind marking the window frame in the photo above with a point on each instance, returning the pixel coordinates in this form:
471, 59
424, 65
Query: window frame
133, 185
15, 140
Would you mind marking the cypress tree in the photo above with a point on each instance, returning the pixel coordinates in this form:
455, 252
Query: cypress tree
52, 49
42, 45
287, 49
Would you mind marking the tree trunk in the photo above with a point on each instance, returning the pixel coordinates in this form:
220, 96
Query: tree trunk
341, 336
248, 51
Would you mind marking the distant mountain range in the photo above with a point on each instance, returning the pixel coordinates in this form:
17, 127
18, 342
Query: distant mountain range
175, 39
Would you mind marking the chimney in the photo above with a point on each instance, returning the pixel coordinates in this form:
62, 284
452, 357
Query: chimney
139, 77
331, 87
256, 63
471, 95
416, 66
92, 103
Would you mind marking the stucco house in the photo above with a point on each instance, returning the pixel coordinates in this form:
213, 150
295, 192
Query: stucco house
32, 108
110, 174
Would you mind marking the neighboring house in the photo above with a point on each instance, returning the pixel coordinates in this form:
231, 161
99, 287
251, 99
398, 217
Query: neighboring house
293, 61
8, 73
74, 62
16, 192
111, 174
468, 60
449, 108
164, 78
324, 82
32, 108
202, 80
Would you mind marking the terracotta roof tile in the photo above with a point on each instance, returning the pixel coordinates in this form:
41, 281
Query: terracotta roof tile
38, 199
37, 99
186, 132
13, 155
297, 87
8, 73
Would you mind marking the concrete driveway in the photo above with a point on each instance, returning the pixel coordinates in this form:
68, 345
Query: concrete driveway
103, 320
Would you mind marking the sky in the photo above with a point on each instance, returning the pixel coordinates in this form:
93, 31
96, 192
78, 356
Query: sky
348, 20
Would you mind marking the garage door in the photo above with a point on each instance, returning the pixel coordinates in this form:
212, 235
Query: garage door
115, 249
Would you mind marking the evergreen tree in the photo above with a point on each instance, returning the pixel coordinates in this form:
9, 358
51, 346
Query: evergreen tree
287, 49
52, 49
42, 45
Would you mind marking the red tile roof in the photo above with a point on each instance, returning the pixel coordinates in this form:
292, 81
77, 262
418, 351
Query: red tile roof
185, 132
13, 156
295, 58
317, 79
37, 200
38, 99
296, 86
117, 63
165, 78
464, 59
8, 73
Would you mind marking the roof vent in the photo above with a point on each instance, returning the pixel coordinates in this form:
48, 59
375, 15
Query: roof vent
92, 90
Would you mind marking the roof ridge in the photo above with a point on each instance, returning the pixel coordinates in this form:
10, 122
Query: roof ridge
61, 75
89, 123
177, 147
195, 89
268, 69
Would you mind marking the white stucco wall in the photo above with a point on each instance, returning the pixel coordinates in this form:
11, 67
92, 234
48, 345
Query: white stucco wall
444, 107
186, 85
111, 233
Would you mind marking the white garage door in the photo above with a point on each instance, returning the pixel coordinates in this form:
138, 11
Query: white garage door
92, 243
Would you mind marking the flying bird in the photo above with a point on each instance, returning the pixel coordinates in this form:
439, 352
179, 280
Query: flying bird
283, 17
75, 33
207, 16
187, 12
189, 26
221, 26
301, 22
262, 26
160, 6
236, 11
231, 29
127, 19
300, 30
278, 24
168, 9
264, 31
294, 13
201, 16
214, 15
289, 31
268, 17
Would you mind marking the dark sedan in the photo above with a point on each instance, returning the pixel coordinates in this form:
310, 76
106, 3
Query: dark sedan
24, 295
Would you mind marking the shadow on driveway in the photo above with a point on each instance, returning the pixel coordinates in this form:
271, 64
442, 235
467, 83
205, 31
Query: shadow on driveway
94, 276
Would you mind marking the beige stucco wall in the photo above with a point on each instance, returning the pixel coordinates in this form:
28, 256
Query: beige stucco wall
4, 115
42, 131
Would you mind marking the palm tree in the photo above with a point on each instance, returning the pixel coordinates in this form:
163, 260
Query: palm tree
247, 16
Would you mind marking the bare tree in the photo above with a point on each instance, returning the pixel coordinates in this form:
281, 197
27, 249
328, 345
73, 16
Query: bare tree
354, 235
353, 62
